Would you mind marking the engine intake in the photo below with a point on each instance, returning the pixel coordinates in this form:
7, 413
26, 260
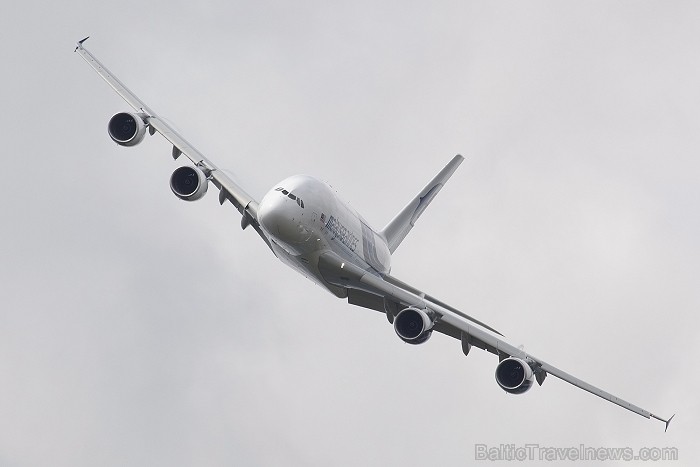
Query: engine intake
514, 375
126, 129
413, 325
189, 183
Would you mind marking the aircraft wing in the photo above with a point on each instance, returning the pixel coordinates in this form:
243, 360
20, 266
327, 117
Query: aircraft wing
228, 189
373, 291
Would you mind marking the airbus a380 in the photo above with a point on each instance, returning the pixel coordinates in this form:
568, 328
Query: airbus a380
306, 225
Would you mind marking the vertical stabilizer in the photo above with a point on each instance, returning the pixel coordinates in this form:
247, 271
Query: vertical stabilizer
398, 228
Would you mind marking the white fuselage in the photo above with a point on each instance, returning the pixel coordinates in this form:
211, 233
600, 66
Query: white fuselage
303, 217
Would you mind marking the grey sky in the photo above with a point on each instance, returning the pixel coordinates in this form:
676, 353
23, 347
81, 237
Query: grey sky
137, 329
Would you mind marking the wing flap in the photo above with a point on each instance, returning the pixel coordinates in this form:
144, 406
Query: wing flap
366, 300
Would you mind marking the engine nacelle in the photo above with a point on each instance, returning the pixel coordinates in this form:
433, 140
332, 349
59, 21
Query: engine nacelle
413, 325
514, 375
189, 183
126, 129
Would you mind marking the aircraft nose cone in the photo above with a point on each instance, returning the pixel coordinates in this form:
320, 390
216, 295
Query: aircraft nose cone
281, 217
271, 213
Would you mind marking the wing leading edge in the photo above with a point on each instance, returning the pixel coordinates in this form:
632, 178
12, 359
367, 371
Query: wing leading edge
453, 323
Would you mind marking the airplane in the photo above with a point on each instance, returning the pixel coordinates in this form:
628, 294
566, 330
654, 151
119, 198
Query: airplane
309, 228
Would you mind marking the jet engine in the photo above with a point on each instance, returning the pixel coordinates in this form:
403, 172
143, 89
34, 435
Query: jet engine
126, 129
413, 325
189, 183
514, 375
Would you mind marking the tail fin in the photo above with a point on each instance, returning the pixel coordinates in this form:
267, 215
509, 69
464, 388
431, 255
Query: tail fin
398, 228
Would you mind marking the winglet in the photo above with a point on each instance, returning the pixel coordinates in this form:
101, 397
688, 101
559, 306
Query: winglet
667, 422
80, 43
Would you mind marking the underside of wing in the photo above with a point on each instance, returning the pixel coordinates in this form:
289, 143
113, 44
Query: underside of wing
187, 183
416, 315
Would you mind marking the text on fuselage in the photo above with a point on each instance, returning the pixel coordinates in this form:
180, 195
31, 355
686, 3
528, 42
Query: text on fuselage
342, 233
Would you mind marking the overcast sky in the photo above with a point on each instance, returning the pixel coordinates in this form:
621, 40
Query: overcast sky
140, 330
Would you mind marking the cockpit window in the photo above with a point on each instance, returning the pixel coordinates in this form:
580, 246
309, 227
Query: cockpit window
291, 196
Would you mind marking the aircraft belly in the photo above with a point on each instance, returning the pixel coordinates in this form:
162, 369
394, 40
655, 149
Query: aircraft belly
307, 265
